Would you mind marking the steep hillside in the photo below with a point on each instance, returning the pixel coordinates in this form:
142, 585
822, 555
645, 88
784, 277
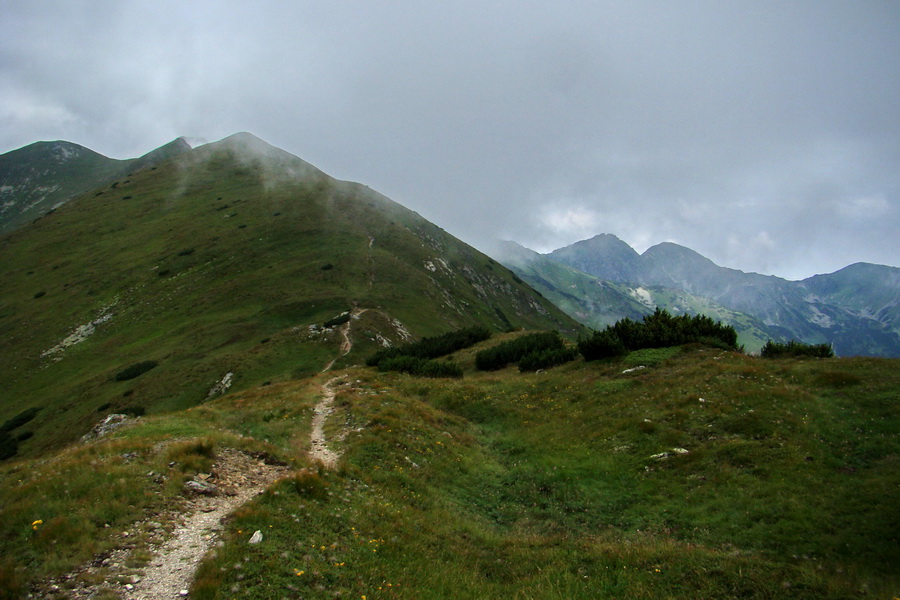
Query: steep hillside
43, 176
219, 268
854, 309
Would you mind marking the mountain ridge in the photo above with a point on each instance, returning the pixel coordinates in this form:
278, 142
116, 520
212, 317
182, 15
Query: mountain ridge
218, 305
193, 262
41, 177
855, 308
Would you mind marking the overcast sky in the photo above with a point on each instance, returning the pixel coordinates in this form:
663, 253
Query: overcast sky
764, 135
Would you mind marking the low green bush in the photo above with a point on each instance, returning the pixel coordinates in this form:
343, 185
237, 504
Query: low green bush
8, 445
135, 410
20, 419
338, 320
602, 344
421, 367
658, 330
544, 359
434, 347
135, 370
795, 348
497, 357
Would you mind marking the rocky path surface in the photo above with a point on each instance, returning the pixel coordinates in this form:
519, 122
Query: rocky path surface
170, 573
346, 342
235, 478
319, 450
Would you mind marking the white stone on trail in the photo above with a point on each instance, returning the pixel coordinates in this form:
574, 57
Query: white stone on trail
171, 572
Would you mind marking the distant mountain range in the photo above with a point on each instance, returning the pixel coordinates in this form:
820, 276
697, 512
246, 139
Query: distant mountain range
603, 279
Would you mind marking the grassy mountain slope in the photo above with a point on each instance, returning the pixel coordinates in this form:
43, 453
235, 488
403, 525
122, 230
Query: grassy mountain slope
43, 176
219, 261
704, 475
676, 473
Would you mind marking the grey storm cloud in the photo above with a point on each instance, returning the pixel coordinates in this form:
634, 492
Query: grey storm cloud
765, 135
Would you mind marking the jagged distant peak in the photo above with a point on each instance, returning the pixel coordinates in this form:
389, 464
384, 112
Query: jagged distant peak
602, 242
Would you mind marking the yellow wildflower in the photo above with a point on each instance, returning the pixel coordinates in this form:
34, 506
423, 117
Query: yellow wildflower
34, 525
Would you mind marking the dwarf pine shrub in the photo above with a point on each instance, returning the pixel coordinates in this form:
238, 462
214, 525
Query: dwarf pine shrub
602, 344
795, 348
135, 370
497, 357
658, 330
421, 367
338, 320
20, 419
8, 445
544, 359
434, 347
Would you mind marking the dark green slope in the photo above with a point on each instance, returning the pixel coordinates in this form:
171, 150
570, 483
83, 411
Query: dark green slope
40, 177
220, 260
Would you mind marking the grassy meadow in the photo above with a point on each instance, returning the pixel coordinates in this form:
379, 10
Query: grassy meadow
705, 474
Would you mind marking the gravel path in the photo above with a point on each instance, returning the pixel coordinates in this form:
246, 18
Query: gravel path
318, 445
170, 573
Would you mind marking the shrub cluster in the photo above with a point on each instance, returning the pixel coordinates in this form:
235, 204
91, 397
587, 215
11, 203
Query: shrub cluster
514, 351
659, 330
422, 367
9, 444
135, 370
545, 359
135, 410
338, 320
20, 419
795, 348
434, 347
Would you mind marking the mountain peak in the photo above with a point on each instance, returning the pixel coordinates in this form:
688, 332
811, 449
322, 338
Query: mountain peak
247, 142
604, 256
673, 251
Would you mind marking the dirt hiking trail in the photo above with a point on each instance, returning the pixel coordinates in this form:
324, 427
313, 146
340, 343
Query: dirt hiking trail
236, 478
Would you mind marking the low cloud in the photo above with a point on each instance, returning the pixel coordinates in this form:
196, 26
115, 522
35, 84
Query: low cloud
695, 122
